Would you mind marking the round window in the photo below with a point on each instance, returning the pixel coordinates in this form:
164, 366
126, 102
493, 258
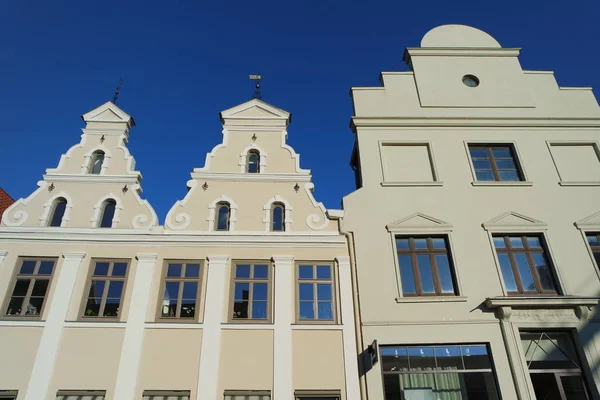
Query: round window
470, 80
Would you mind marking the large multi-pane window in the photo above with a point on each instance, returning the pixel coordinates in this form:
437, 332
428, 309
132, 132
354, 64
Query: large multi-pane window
181, 289
30, 287
80, 395
450, 371
495, 163
251, 292
525, 264
105, 289
166, 395
425, 266
594, 242
315, 290
247, 395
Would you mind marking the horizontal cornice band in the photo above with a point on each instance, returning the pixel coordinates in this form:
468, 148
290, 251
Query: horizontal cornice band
451, 122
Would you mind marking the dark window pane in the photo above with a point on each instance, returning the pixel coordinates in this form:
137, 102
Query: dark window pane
307, 310
190, 290
96, 289
545, 386
421, 357
14, 306
115, 288
92, 308
259, 310
40, 287
516, 242
35, 306
46, 268
325, 310
543, 270
188, 308
485, 176
242, 271
402, 244
482, 164
259, 291
476, 357
277, 222
593, 240
425, 273
506, 164
174, 270
597, 258
324, 291
407, 275
499, 243
108, 214
242, 291
324, 272
253, 162
439, 243
27, 267
420, 243
449, 357
509, 176
192, 270
21, 287
574, 387
171, 290
525, 272
445, 274
223, 218
59, 212
169, 308
502, 152
478, 152
305, 272
240, 309
101, 269
507, 273
119, 269
306, 291
111, 308
261, 271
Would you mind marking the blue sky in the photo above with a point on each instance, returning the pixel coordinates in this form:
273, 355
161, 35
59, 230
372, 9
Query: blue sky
184, 61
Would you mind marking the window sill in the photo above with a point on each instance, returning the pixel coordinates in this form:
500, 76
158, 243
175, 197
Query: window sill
502, 183
409, 184
237, 325
94, 324
21, 322
432, 299
173, 325
582, 183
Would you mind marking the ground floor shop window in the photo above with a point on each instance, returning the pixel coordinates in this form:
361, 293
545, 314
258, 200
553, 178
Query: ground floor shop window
438, 372
554, 366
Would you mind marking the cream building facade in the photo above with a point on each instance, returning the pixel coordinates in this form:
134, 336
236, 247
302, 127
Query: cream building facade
244, 293
475, 227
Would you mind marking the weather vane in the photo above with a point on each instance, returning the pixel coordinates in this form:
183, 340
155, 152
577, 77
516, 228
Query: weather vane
116, 96
257, 79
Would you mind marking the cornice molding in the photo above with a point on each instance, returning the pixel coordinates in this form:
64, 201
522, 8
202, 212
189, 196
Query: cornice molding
540, 301
462, 52
128, 179
453, 122
245, 177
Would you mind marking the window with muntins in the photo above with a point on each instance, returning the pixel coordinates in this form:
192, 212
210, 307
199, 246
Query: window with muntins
425, 266
247, 395
253, 161
525, 265
495, 163
278, 217
181, 283
105, 289
251, 292
166, 395
30, 287
108, 213
223, 216
58, 211
80, 395
594, 242
97, 162
448, 371
315, 293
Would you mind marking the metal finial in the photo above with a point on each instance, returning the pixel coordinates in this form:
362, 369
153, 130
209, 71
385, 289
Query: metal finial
254, 137
125, 189
116, 96
51, 187
102, 139
256, 79
205, 186
297, 187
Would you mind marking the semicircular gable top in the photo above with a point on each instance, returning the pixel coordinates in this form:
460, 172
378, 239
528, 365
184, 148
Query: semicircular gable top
256, 169
99, 170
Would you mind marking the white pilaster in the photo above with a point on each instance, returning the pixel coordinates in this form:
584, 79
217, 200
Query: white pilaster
282, 341
211, 336
129, 363
50, 341
349, 329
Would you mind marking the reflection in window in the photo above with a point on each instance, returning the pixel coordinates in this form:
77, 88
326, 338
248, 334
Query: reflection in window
593, 240
181, 290
96, 162
105, 289
495, 163
253, 162
58, 211
223, 216
30, 288
438, 372
278, 217
315, 293
251, 292
108, 213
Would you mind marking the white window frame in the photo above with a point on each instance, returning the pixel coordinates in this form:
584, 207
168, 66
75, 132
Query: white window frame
519, 161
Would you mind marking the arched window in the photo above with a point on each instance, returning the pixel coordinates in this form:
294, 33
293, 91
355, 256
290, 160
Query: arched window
108, 213
58, 211
253, 162
96, 163
223, 214
278, 217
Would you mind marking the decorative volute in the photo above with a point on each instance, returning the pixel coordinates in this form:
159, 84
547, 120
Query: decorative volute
92, 173
250, 171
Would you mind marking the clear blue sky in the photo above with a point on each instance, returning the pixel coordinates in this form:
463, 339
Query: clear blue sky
184, 61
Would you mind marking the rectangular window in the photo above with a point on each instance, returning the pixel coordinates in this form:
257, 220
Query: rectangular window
438, 372
30, 287
524, 264
594, 242
247, 395
317, 395
8, 394
425, 266
181, 290
80, 395
105, 289
495, 163
315, 290
251, 292
166, 395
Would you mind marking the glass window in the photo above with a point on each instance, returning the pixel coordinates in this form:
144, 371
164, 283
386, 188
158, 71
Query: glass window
166, 395
278, 217
58, 211
253, 162
108, 213
223, 215
80, 395
450, 371
495, 163
425, 266
251, 297
30, 288
105, 289
314, 284
181, 290
247, 395
594, 242
8, 394
96, 162
524, 265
